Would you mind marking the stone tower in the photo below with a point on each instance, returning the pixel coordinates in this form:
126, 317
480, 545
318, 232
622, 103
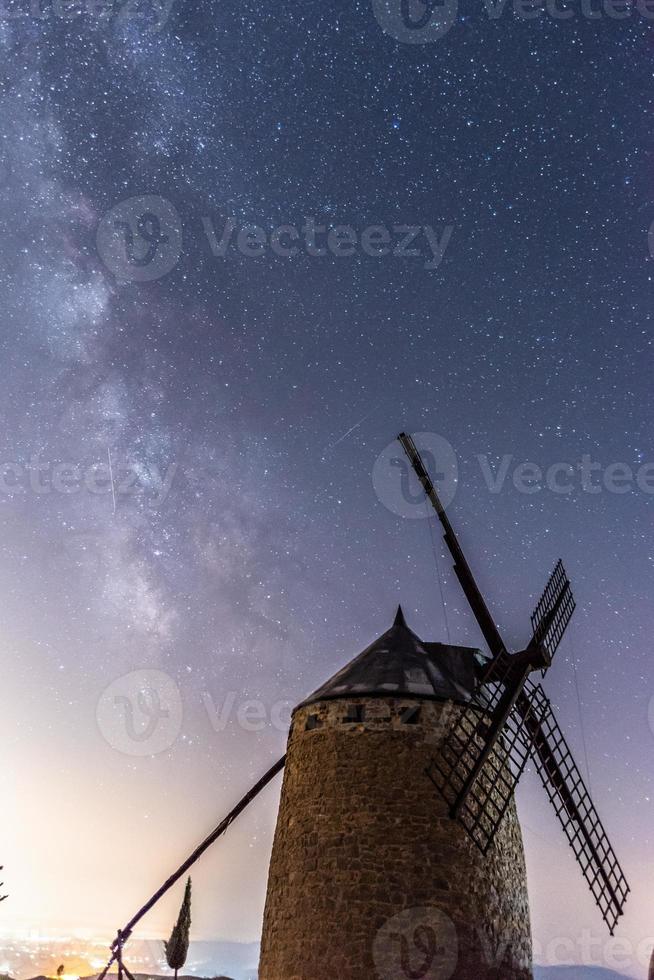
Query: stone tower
370, 879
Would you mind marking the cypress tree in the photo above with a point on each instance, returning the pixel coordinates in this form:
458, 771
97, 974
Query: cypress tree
177, 946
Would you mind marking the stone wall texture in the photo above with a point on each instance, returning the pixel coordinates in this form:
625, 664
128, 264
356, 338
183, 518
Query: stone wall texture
369, 877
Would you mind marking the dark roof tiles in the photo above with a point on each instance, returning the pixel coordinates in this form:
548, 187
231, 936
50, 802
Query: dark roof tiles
400, 664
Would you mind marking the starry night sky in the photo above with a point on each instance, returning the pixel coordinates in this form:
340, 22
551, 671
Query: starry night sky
268, 387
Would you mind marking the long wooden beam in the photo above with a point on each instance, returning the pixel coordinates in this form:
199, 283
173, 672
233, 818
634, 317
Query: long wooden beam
125, 933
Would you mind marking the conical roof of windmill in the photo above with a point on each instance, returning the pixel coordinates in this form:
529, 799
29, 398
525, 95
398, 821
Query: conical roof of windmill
400, 664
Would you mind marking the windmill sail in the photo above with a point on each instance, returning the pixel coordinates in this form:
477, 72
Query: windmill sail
576, 812
554, 611
477, 771
463, 571
479, 763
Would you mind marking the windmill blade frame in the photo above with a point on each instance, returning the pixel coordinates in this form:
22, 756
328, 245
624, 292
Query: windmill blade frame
575, 810
479, 763
553, 611
508, 719
461, 567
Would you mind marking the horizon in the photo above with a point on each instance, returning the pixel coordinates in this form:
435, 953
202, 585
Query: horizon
139, 967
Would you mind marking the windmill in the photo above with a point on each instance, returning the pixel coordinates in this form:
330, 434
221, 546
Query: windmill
508, 711
398, 851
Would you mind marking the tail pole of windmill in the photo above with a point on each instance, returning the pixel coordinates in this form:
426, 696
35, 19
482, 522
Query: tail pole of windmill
125, 933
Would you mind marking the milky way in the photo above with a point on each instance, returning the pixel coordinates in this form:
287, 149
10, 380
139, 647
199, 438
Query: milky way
242, 395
